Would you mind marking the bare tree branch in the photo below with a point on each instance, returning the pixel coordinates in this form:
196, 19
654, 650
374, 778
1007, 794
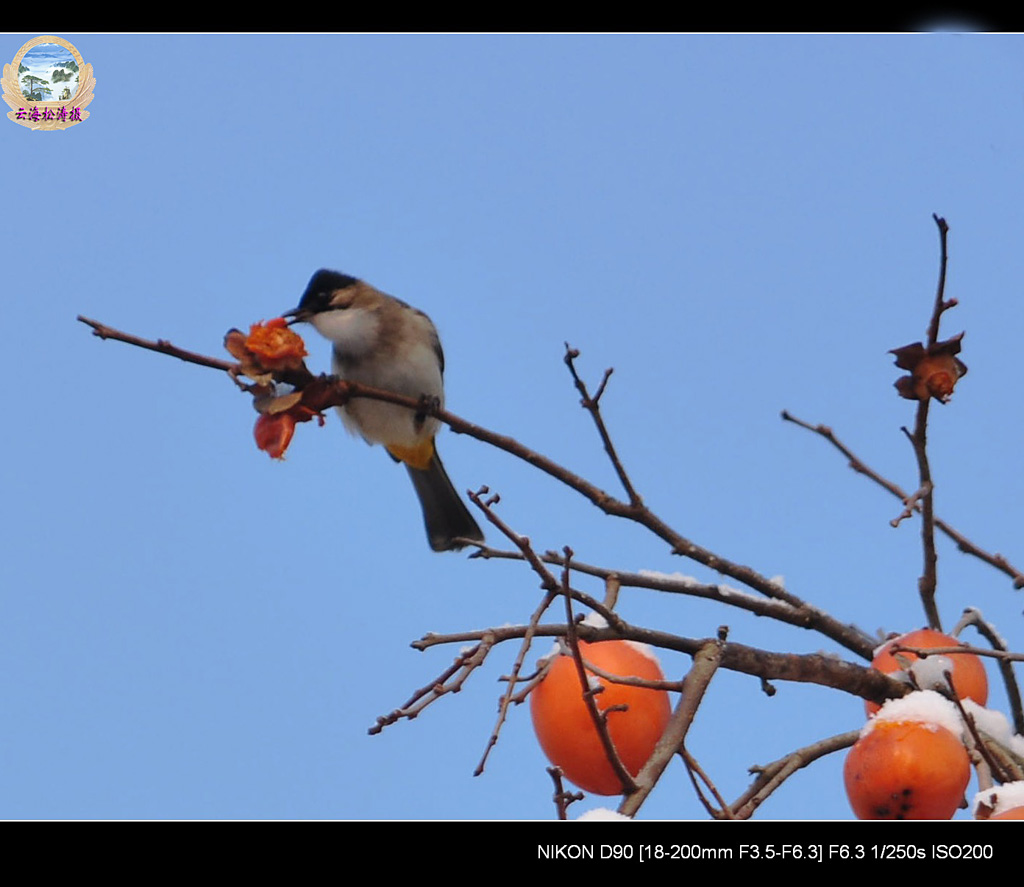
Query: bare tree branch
588, 692
802, 616
694, 770
971, 616
962, 542
705, 664
927, 583
463, 666
769, 598
592, 405
161, 346
562, 798
551, 590
329, 391
813, 668
771, 776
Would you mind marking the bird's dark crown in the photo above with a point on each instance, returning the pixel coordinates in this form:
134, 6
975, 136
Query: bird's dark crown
322, 286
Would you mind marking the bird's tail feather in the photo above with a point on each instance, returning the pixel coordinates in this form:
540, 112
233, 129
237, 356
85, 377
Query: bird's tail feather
445, 514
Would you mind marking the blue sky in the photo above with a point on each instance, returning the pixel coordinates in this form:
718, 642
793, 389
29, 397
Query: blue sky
737, 224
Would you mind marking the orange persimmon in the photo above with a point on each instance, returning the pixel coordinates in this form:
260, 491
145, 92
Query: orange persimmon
273, 433
906, 770
564, 726
969, 679
276, 345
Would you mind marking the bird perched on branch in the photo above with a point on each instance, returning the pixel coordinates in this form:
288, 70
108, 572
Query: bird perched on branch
382, 342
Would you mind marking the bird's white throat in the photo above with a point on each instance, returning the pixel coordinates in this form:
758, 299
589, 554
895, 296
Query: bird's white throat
355, 331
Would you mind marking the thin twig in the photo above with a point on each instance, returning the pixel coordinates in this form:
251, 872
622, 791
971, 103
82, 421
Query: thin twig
463, 666
927, 583
723, 811
562, 798
977, 741
911, 504
972, 616
599, 720
162, 346
925, 652
962, 542
550, 593
536, 562
771, 776
632, 680
802, 615
509, 696
592, 406
940, 306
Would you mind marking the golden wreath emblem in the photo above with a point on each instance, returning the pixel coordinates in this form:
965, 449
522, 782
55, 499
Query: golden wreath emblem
48, 86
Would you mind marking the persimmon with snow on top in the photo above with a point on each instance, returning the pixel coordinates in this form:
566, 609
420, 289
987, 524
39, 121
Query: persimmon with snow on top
968, 672
909, 762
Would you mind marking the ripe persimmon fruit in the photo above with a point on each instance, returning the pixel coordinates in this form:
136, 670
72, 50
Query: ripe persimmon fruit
906, 770
566, 730
273, 433
969, 679
1012, 813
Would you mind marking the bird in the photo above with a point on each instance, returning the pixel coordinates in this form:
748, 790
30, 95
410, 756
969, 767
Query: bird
385, 343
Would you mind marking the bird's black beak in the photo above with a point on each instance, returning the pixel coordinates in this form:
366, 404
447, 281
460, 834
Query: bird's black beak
297, 315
